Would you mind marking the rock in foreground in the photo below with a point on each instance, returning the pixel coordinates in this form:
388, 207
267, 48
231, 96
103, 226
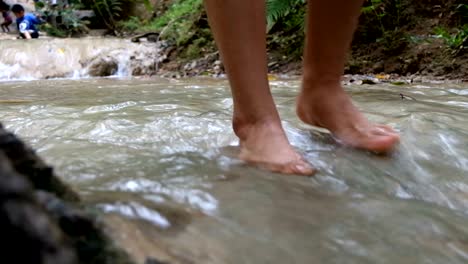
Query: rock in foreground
41, 220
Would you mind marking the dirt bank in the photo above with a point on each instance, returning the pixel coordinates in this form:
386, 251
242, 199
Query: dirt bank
400, 38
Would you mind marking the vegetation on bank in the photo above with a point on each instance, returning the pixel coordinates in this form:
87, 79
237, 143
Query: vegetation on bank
61, 21
408, 37
393, 35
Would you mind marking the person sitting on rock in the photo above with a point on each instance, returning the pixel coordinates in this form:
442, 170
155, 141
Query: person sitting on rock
7, 20
25, 22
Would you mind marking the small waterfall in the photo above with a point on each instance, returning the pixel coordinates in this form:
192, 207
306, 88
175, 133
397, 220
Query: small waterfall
75, 58
123, 66
8, 71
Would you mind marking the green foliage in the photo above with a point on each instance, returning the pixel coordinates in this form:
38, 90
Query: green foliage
131, 25
53, 31
183, 24
198, 45
180, 9
108, 11
112, 13
376, 8
64, 21
178, 22
277, 9
382, 22
457, 40
386, 13
71, 23
148, 5
285, 25
193, 51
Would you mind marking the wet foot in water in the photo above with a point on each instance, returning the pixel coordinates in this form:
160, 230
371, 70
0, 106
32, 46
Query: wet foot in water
266, 145
331, 108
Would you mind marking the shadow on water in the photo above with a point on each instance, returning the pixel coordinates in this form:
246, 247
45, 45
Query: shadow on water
158, 157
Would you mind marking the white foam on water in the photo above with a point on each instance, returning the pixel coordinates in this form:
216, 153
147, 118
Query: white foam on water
14, 72
69, 58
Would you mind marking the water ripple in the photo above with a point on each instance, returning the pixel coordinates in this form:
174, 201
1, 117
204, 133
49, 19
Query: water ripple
171, 142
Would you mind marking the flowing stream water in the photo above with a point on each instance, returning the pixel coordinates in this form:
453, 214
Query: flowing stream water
158, 157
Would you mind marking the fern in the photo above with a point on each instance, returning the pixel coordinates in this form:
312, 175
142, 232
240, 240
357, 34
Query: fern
277, 9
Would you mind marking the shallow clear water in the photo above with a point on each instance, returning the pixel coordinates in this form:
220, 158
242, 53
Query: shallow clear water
158, 156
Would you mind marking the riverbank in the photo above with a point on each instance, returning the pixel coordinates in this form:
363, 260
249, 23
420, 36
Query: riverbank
399, 38
403, 39
50, 57
359, 69
428, 60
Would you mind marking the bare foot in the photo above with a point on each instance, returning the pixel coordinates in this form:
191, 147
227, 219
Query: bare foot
267, 146
331, 108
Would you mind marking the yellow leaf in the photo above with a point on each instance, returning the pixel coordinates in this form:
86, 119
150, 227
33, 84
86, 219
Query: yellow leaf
382, 76
272, 77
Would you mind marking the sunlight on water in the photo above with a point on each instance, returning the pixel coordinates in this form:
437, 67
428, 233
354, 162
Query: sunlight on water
161, 155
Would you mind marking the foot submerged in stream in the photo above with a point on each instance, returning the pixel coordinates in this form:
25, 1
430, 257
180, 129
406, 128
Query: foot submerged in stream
332, 109
265, 144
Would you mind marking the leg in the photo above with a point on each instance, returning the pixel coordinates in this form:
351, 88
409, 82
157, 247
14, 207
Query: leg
322, 101
239, 30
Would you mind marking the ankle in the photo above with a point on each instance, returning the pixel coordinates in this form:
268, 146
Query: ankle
321, 79
318, 88
244, 128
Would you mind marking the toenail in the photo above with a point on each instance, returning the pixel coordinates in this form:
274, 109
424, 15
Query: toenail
300, 167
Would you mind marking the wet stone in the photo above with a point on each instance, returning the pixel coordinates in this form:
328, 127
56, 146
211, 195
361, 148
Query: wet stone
101, 67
